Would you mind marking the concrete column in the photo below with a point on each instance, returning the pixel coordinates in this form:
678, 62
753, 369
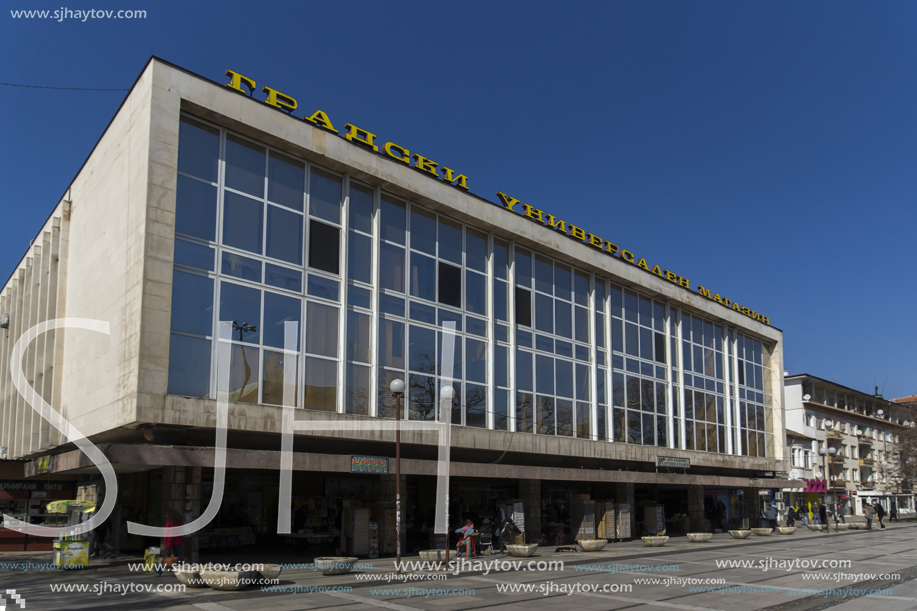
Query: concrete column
530, 491
696, 507
750, 513
624, 493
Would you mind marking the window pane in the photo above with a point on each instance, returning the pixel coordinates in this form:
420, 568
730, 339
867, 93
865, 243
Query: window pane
582, 325
325, 288
523, 268
630, 306
321, 329
450, 285
356, 398
476, 326
630, 341
524, 371
272, 382
324, 247
475, 250
564, 378
421, 397
422, 350
501, 410
544, 275
283, 277
241, 267
423, 230
524, 412
385, 402
321, 385
501, 259
423, 277
196, 209
646, 343
457, 363
475, 292
325, 196
198, 149
649, 430
242, 306
614, 299
192, 303
544, 313
545, 415
393, 223
286, 180
389, 304
562, 281
617, 384
391, 343
244, 166
562, 318
391, 267
423, 313
660, 348
475, 360
242, 222
581, 290
361, 208
193, 255
278, 310
634, 428
243, 373
359, 297
358, 348
619, 425
500, 300
565, 418
523, 307
189, 366
544, 374
583, 419
501, 365
476, 406
284, 235
450, 241
582, 383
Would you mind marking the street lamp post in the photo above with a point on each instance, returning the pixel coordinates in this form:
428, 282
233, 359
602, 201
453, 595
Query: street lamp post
826, 452
897, 479
397, 387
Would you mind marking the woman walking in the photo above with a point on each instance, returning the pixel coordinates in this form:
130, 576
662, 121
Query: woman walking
172, 545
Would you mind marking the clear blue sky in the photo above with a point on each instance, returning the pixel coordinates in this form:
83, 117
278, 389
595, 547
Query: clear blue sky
767, 150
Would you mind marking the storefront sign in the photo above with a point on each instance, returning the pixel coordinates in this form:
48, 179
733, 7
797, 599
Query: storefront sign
30, 486
367, 139
368, 464
671, 462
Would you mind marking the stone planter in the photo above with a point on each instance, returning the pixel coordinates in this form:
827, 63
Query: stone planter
699, 537
522, 550
762, 532
229, 580
843, 526
740, 534
786, 530
592, 545
335, 565
654, 541
433, 555
269, 573
856, 526
816, 527
190, 578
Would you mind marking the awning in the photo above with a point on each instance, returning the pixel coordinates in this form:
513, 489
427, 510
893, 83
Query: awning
816, 485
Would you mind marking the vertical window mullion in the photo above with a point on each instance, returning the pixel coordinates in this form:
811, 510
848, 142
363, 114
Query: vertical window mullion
374, 339
682, 420
511, 316
342, 312
670, 404
490, 385
215, 332
593, 357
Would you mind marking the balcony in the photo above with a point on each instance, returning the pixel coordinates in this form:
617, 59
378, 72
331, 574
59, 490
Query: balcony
866, 485
834, 435
839, 483
837, 458
867, 462
863, 440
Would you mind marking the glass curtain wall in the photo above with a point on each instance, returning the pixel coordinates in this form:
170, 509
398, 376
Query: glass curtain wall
268, 241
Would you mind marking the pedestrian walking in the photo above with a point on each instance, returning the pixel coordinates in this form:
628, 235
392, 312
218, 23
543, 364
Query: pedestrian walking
172, 545
770, 514
880, 514
893, 512
823, 515
870, 514
791, 516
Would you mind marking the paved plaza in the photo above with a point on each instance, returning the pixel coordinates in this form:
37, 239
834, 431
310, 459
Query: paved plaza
802, 571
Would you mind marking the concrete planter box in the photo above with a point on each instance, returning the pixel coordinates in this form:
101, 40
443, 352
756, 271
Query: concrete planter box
843, 526
740, 534
786, 530
522, 550
335, 565
699, 537
229, 580
433, 555
593, 545
190, 578
270, 572
762, 532
816, 527
654, 541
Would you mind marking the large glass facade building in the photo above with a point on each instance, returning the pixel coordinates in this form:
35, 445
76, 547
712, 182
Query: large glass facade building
264, 239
